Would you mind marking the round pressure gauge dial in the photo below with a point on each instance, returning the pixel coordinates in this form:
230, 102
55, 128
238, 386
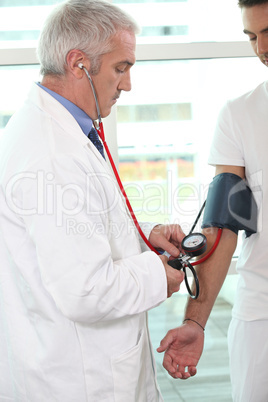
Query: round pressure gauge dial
194, 244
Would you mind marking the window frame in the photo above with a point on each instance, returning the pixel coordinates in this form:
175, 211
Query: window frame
149, 52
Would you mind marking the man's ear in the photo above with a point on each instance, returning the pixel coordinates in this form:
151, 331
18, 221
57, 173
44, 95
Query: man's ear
73, 59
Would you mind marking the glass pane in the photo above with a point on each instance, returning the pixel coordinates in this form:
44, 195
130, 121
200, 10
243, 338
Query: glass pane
165, 127
14, 83
185, 20
21, 20
161, 21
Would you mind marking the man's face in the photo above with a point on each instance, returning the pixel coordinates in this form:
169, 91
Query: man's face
114, 74
255, 20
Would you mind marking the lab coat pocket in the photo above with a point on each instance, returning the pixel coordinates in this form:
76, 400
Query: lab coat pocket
129, 374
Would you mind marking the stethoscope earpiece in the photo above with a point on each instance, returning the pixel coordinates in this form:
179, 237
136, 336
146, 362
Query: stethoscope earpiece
80, 65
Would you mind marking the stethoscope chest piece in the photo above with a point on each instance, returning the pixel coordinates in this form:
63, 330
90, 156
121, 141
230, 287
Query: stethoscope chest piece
193, 244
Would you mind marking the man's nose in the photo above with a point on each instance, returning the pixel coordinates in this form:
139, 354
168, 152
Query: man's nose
125, 82
262, 45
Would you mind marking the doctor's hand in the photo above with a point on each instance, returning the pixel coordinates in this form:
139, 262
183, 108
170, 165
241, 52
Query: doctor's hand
174, 277
167, 238
183, 347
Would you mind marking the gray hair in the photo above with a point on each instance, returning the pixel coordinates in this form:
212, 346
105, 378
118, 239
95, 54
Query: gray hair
87, 25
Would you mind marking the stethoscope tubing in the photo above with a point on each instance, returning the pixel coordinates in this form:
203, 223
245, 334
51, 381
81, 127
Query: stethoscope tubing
99, 128
100, 131
133, 216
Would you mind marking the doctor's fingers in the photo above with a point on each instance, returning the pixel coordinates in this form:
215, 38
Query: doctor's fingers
174, 279
168, 238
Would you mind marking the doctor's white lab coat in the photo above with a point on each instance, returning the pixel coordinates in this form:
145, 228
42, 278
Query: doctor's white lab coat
74, 283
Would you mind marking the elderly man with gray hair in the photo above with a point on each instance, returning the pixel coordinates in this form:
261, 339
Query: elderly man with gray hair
73, 303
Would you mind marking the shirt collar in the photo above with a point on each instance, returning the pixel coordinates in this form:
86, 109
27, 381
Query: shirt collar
80, 116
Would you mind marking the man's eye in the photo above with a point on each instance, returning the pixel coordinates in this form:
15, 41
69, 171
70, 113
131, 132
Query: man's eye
119, 70
252, 38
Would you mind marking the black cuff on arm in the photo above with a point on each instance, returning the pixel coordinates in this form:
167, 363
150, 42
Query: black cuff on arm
230, 204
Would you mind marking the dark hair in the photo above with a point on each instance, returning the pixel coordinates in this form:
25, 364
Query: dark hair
251, 3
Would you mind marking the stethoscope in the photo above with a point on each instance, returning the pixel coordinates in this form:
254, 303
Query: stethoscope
193, 245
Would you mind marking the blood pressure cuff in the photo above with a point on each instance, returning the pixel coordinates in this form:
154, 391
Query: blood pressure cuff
230, 204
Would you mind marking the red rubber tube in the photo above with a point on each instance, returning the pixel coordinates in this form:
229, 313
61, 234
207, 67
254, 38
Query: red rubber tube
219, 233
101, 134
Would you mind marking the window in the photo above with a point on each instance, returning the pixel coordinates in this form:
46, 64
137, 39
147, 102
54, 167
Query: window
14, 83
162, 21
165, 127
185, 21
20, 21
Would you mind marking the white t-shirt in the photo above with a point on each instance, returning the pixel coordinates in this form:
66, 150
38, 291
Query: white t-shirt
241, 139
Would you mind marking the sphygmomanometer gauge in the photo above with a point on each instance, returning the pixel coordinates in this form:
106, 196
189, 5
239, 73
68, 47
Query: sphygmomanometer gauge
194, 244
